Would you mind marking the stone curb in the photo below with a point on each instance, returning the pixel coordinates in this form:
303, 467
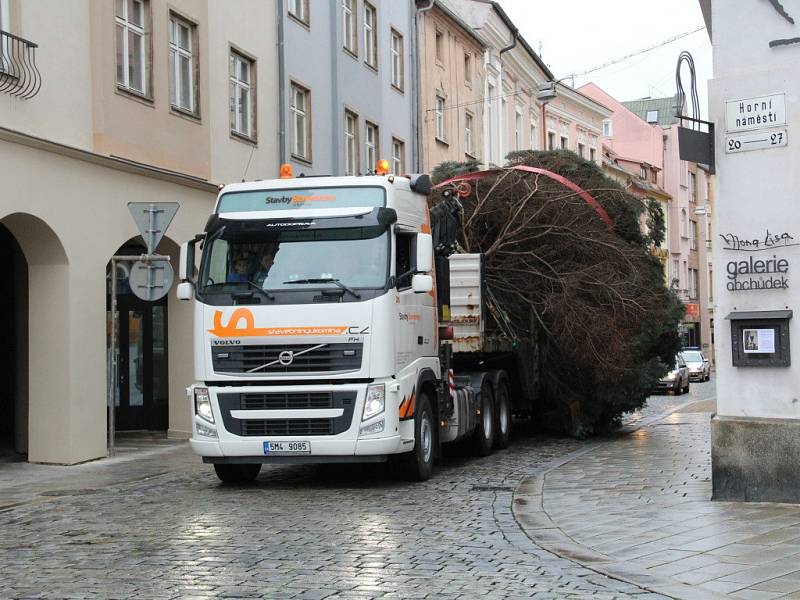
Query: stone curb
529, 513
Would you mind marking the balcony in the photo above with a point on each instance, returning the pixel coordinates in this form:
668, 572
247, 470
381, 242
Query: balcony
19, 75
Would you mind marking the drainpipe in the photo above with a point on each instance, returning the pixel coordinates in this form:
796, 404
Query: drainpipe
503, 130
416, 84
281, 87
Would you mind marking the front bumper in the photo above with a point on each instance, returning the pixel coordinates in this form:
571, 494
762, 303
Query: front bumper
668, 386
234, 442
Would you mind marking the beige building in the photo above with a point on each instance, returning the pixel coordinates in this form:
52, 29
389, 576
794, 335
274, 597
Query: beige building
104, 103
451, 88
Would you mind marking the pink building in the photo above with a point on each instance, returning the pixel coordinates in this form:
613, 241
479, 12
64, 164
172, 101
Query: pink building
647, 130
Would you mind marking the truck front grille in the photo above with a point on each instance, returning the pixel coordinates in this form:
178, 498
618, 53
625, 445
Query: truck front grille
300, 401
263, 359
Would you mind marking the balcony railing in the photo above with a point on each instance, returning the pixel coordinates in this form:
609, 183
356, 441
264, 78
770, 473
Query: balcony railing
19, 75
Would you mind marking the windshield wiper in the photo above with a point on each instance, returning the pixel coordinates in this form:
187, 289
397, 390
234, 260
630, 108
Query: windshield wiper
326, 280
260, 289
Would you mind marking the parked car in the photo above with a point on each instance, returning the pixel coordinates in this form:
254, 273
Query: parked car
677, 380
698, 364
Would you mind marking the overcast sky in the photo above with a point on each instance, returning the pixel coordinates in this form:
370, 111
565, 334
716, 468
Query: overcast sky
577, 35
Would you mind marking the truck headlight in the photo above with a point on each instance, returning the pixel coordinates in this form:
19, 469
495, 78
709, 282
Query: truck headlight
375, 402
202, 404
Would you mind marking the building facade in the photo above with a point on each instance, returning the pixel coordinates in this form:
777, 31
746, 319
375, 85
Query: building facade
143, 100
754, 101
346, 86
452, 82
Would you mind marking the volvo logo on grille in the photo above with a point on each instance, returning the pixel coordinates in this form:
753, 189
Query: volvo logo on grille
286, 357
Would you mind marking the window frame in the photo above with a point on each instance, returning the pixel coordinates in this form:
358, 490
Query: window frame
374, 148
438, 46
401, 158
144, 31
607, 128
177, 20
468, 69
370, 36
518, 137
351, 143
350, 13
440, 107
295, 114
235, 82
304, 18
397, 59
469, 135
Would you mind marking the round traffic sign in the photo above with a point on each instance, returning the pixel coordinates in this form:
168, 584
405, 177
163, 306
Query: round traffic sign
151, 280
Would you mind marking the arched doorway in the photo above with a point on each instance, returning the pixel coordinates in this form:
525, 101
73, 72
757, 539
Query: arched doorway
142, 382
13, 350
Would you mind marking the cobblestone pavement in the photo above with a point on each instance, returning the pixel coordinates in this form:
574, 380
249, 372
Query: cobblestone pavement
160, 525
638, 507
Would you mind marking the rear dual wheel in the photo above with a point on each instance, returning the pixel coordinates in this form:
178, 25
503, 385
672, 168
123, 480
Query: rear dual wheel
502, 421
483, 437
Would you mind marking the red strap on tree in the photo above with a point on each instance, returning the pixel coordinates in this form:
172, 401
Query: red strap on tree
586, 196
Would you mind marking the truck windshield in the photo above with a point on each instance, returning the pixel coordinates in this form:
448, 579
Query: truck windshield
234, 262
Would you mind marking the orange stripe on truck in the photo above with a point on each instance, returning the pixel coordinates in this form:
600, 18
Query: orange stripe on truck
242, 324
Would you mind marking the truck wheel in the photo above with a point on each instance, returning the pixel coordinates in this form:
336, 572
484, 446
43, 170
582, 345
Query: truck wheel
483, 438
502, 421
228, 473
418, 464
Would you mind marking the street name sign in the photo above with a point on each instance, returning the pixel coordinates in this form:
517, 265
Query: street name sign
758, 112
152, 219
758, 140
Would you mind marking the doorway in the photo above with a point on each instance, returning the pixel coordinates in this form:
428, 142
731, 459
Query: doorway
13, 350
142, 400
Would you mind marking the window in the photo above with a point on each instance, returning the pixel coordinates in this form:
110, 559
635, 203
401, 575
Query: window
5, 22
241, 96
300, 117
439, 46
643, 172
439, 114
693, 279
372, 144
397, 60
693, 235
404, 259
608, 130
652, 116
692, 187
370, 35
684, 223
398, 156
581, 150
182, 90
551, 140
518, 130
350, 41
350, 143
675, 276
564, 143
299, 9
469, 121
593, 154
468, 69
534, 141
132, 54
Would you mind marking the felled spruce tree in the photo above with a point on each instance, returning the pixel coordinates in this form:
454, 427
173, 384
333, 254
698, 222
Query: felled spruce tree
594, 296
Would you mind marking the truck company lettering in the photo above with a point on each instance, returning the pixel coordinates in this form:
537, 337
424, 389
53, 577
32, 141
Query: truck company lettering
754, 272
233, 330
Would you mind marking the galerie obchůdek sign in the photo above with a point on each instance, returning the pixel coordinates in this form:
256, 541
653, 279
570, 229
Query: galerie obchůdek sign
754, 272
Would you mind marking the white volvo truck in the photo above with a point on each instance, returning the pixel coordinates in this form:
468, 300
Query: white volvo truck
327, 329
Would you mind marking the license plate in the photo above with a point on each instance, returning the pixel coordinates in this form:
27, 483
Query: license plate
287, 448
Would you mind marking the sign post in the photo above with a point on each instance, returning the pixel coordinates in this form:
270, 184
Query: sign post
150, 279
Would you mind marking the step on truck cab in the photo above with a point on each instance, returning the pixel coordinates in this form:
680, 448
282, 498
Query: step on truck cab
319, 330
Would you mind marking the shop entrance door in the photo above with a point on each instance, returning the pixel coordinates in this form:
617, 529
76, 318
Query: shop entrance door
142, 400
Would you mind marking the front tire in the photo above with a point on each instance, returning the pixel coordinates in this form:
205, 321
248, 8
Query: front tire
418, 464
483, 438
232, 473
502, 421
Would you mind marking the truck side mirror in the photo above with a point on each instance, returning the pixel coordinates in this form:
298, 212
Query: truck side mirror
424, 253
422, 284
185, 290
186, 261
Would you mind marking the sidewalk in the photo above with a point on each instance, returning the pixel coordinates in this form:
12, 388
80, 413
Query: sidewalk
637, 507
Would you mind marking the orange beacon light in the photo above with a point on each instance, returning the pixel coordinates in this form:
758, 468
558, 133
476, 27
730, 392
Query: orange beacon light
286, 171
383, 167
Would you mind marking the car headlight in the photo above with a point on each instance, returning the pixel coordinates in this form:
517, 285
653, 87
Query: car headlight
202, 404
375, 403
671, 376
